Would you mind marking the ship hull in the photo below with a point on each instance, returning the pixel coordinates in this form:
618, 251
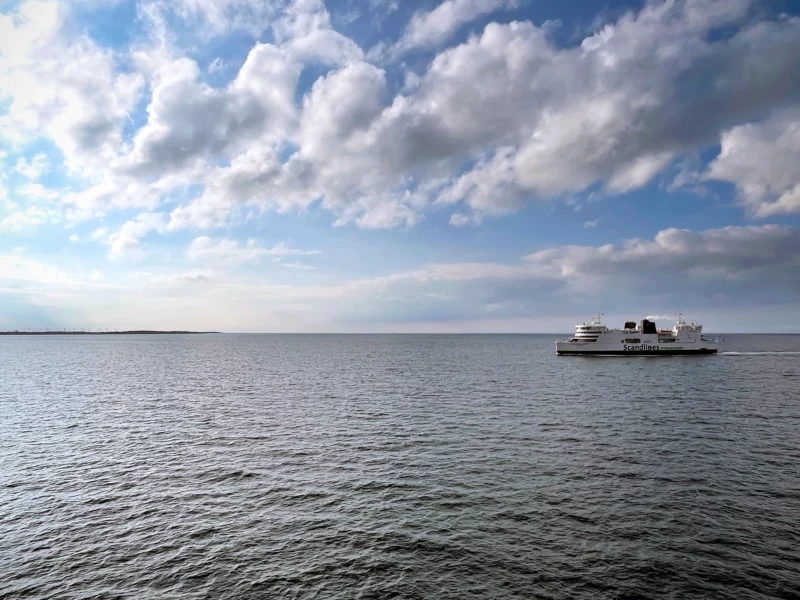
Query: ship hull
696, 352
610, 344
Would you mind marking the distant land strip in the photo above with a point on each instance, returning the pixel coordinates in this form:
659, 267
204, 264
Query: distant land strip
129, 332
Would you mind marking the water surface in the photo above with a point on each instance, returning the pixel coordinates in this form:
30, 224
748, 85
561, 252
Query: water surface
265, 466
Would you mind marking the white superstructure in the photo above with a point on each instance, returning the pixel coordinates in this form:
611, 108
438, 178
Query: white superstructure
593, 337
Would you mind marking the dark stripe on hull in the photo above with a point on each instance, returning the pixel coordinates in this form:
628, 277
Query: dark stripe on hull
635, 353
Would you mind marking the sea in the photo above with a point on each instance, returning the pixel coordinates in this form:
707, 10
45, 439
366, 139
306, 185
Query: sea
395, 466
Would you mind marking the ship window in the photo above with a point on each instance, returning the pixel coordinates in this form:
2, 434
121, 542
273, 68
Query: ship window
666, 341
633, 341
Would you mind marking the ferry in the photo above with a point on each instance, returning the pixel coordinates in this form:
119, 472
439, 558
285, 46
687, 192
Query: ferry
594, 338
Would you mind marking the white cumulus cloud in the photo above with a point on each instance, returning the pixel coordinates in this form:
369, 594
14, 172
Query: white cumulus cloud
62, 88
507, 116
763, 161
432, 28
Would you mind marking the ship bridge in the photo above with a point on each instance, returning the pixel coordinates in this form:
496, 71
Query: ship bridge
682, 325
590, 331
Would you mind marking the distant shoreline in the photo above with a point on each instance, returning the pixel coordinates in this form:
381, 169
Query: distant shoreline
130, 332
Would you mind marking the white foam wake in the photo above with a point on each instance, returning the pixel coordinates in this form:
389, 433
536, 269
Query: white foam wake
771, 353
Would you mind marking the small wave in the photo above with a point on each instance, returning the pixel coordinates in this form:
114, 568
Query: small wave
101, 500
239, 474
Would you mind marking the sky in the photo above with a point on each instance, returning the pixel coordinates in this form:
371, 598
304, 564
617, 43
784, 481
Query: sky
399, 166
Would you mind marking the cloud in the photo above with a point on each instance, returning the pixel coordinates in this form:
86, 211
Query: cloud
254, 177
329, 164
537, 121
385, 6
100, 234
127, 240
460, 220
193, 277
727, 266
302, 27
224, 251
62, 88
506, 117
220, 17
428, 29
716, 267
631, 116
190, 121
216, 65
305, 32
34, 169
29, 275
15, 267
192, 125
763, 161
533, 119
4, 201
298, 265
490, 187
29, 217
718, 270
35, 192
716, 260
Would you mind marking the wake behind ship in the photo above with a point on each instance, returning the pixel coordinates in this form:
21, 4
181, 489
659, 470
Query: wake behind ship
644, 339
